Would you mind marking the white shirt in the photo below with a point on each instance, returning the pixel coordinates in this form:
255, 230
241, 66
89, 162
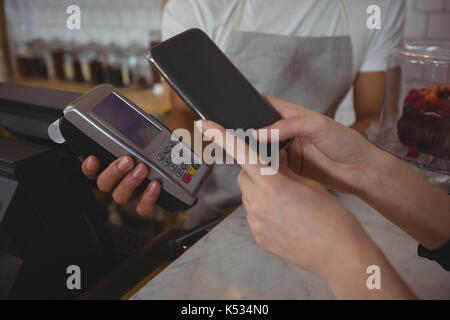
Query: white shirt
295, 18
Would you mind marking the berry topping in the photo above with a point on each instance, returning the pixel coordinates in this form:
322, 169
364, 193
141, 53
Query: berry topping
413, 152
446, 112
412, 97
420, 104
426, 91
442, 103
437, 89
431, 97
434, 99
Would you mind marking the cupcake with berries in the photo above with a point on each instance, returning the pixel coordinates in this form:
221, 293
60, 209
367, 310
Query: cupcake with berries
425, 122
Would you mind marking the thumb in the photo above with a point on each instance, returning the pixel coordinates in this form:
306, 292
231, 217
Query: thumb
284, 108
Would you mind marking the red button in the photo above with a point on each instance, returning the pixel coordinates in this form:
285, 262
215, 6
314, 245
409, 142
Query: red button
187, 178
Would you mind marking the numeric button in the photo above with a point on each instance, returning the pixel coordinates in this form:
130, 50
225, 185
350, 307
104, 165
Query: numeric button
179, 172
160, 156
167, 161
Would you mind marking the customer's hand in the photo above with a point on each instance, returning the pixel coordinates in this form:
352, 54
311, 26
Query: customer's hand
342, 160
122, 177
292, 216
297, 219
336, 156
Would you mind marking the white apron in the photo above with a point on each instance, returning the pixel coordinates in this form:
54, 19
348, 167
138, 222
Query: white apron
315, 72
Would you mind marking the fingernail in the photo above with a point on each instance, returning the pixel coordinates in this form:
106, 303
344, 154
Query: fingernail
90, 163
125, 164
139, 172
154, 188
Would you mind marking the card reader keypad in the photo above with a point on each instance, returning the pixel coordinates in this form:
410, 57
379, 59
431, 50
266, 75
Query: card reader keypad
183, 171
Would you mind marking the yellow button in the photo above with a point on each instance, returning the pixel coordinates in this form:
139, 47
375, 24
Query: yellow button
191, 171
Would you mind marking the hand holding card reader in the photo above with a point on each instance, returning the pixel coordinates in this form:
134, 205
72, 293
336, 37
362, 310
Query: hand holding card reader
106, 124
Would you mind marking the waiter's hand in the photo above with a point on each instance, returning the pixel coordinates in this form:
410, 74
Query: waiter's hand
122, 177
334, 155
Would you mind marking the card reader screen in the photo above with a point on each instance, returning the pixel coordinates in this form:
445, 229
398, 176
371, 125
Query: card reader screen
122, 117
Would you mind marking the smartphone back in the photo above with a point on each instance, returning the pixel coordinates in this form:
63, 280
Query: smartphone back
210, 83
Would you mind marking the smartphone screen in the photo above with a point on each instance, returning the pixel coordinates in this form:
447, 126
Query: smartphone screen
210, 83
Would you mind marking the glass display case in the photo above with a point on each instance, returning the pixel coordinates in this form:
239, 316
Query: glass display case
415, 120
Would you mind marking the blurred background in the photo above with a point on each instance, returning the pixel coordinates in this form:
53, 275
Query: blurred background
426, 21
115, 37
111, 47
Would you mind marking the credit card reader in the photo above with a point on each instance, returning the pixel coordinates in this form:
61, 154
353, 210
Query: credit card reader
105, 123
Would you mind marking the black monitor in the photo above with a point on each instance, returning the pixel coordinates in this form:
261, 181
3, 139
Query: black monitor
29, 111
49, 219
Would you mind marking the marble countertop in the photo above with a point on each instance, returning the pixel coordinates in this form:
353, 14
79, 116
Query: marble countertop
227, 264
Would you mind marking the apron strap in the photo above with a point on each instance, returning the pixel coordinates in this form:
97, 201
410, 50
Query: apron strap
344, 16
238, 22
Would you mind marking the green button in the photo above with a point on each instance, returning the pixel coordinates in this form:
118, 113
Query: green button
195, 165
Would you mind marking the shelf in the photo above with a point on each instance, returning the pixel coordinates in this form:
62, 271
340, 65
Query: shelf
151, 103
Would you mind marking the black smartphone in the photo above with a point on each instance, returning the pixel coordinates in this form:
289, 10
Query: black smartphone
210, 83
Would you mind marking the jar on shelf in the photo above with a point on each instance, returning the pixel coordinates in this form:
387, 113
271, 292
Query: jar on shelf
49, 63
78, 73
114, 66
415, 120
93, 64
86, 55
23, 59
129, 65
155, 39
38, 50
71, 63
57, 54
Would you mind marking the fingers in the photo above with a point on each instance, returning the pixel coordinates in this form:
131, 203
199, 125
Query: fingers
109, 178
90, 167
244, 181
149, 198
125, 189
220, 136
121, 178
283, 158
302, 127
295, 156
